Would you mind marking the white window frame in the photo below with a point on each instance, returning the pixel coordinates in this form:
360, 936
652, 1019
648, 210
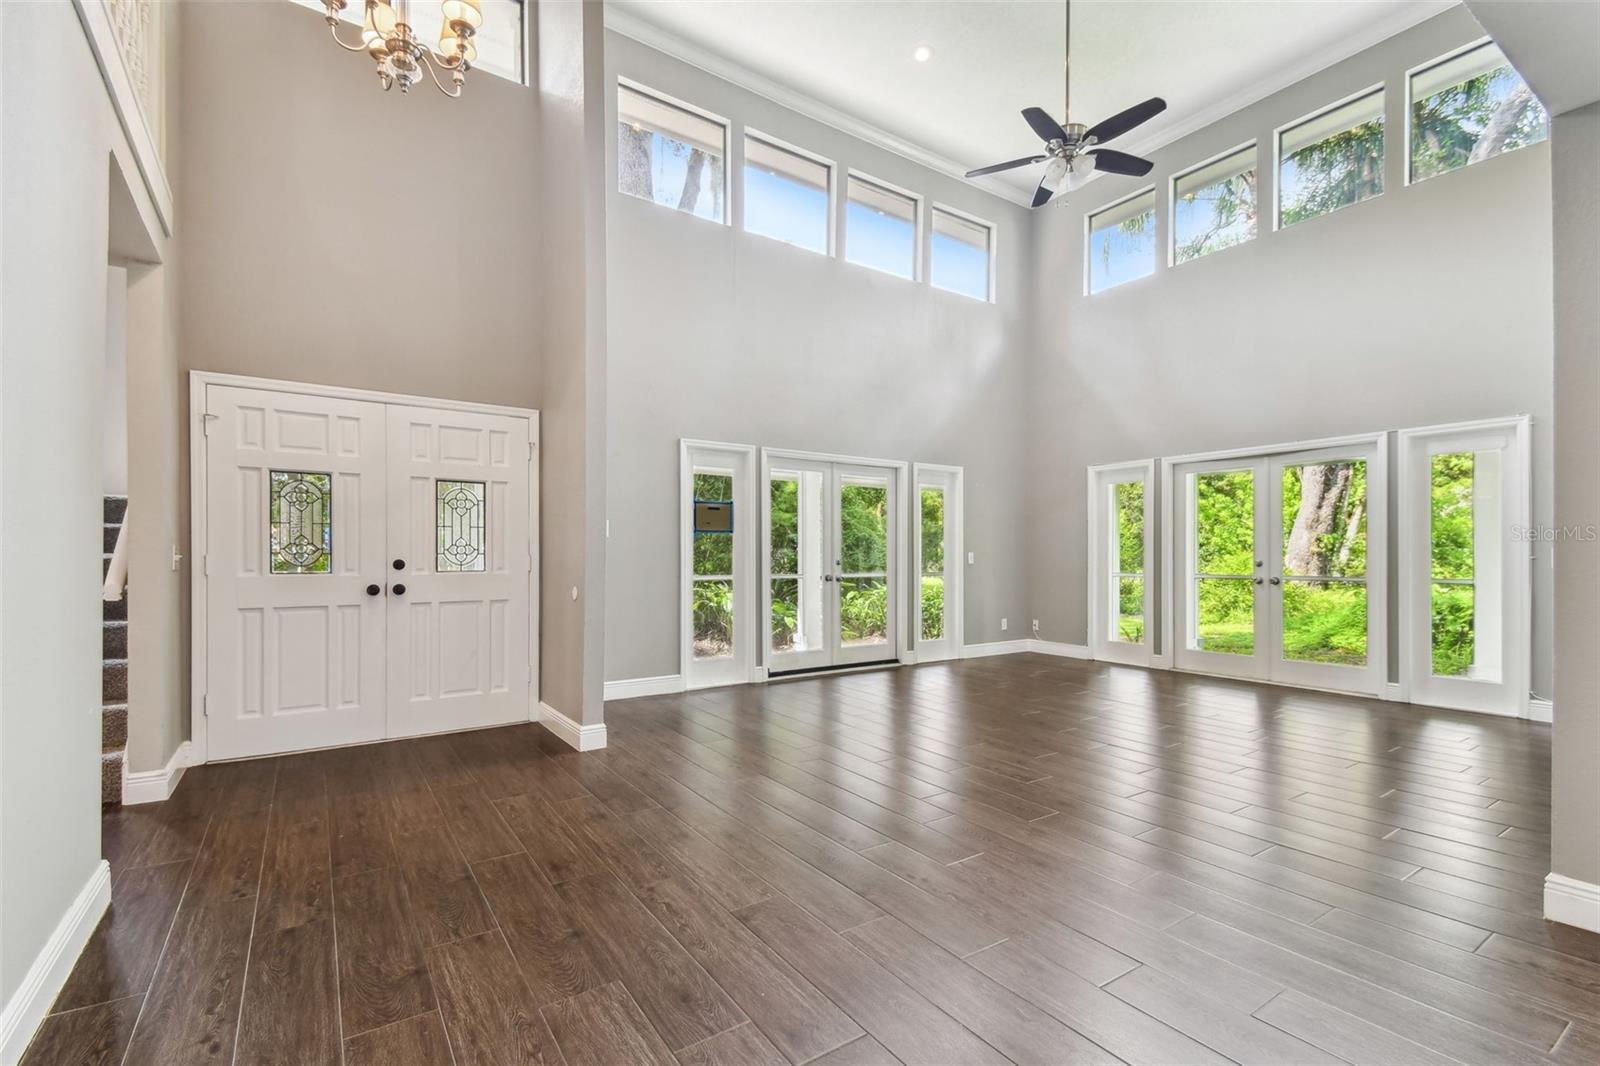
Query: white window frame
1088, 237
918, 222
728, 207
938, 208
1509, 695
949, 479
1420, 68
1172, 200
832, 227
1101, 577
1381, 89
739, 460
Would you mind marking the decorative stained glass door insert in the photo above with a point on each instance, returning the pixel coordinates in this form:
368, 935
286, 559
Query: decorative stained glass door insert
301, 519
462, 521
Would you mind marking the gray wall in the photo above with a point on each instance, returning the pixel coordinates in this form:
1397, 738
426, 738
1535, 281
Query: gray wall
53, 263
1319, 330
1575, 786
721, 335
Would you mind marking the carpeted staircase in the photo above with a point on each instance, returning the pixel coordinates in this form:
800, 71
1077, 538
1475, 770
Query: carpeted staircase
113, 669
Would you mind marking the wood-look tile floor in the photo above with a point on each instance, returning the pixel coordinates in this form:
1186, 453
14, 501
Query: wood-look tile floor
1019, 858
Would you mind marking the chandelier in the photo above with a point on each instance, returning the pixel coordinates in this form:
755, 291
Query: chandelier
391, 40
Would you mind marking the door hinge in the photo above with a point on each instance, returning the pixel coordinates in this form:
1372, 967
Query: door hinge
531, 450
205, 705
205, 422
205, 565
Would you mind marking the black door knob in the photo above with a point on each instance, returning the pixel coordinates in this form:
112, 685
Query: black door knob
399, 564
398, 590
373, 590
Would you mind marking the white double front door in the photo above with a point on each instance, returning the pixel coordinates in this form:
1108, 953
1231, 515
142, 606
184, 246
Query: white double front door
367, 569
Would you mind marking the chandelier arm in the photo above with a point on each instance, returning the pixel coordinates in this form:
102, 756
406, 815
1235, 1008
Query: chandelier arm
333, 30
429, 60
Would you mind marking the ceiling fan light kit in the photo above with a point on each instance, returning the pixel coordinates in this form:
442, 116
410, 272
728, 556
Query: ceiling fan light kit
1071, 149
390, 39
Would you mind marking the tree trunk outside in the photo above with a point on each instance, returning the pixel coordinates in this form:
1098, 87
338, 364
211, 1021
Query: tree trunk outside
633, 160
1322, 489
1501, 125
691, 181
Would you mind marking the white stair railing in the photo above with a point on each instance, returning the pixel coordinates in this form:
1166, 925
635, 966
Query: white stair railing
117, 572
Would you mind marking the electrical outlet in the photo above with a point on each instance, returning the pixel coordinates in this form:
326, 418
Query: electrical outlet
1003, 624
972, 557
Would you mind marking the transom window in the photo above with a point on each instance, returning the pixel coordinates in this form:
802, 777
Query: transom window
1122, 241
1214, 206
1331, 160
960, 251
786, 194
670, 154
1468, 108
881, 227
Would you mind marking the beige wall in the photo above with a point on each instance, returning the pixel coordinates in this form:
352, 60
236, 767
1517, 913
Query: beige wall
1575, 773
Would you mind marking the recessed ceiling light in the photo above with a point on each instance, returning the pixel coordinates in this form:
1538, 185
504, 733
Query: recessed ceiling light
922, 53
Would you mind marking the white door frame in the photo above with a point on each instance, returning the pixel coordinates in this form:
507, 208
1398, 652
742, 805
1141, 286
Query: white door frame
1173, 547
199, 380
749, 517
899, 470
1100, 478
1510, 695
952, 479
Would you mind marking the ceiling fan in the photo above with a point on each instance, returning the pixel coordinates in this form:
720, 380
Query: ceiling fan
1071, 148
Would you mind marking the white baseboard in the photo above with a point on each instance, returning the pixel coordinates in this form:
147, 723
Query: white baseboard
20, 1018
1056, 647
1017, 647
1394, 692
1572, 902
627, 689
1541, 710
153, 786
577, 737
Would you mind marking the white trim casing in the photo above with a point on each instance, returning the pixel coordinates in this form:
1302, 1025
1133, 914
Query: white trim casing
1572, 902
154, 786
578, 737
952, 479
1541, 710
199, 380
1099, 480
28, 1005
633, 687
741, 462
1509, 695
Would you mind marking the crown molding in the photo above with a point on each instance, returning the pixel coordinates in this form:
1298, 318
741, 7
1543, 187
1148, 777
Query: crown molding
652, 36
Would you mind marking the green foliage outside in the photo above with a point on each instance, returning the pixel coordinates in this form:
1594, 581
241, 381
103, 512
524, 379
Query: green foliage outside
932, 509
1481, 117
932, 608
713, 556
1451, 536
1127, 503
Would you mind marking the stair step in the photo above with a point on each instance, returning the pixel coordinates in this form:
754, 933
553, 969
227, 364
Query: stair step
114, 640
115, 508
111, 779
113, 727
114, 681
115, 610
111, 531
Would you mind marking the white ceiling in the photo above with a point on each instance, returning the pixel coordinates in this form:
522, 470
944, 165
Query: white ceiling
994, 57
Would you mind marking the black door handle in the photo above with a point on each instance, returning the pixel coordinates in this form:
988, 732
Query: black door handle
399, 564
398, 590
373, 590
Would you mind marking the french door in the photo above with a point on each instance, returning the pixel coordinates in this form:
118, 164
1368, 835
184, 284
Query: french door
367, 570
1281, 567
831, 589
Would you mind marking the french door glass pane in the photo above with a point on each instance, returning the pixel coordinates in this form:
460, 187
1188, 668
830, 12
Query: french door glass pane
933, 531
1325, 622
1225, 615
713, 552
932, 607
1464, 550
863, 611
1129, 502
713, 619
301, 522
1324, 525
1225, 524
787, 634
1129, 625
785, 512
863, 528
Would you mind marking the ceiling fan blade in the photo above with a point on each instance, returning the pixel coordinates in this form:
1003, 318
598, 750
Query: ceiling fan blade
1042, 195
1123, 121
1046, 127
1114, 162
996, 168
